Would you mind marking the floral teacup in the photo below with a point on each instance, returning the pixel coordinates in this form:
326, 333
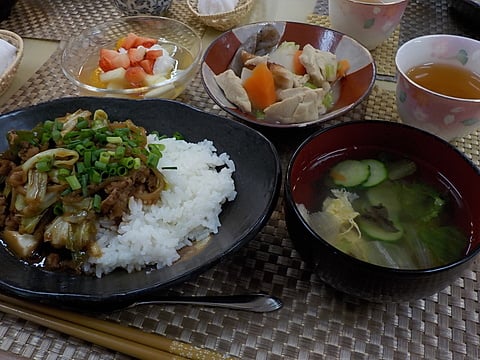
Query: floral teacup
370, 22
445, 116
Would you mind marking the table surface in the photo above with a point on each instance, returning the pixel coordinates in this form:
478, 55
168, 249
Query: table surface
316, 322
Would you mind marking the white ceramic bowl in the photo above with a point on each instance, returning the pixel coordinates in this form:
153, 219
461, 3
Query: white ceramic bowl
444, 116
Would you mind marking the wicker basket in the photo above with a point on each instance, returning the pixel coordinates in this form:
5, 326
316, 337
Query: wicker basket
222, 21
7, 77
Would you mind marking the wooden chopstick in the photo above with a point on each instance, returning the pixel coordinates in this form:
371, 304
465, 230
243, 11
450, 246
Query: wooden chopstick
128, 340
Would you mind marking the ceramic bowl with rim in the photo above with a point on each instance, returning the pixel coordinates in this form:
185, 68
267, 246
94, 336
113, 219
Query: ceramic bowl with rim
369, 22
80, 57
445, 116
257, 182
348, 92
437, 160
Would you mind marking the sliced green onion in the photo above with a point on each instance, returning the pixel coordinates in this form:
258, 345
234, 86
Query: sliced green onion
100, 165
156, 148
119, 152
62, 173
178, 136
132, 144
82, 123
48, 125
87, 158
66, 192
128, 162
95, 176
136, 163
84, 183
104, 157
80, 149
136, 151
73, 182
58, 124
112, 169
122, 132
122, 171
56, 135
97, 202
45, 137
45, 164
58, 209
80, 167
152, 160
88, 144
100, 137
114, 139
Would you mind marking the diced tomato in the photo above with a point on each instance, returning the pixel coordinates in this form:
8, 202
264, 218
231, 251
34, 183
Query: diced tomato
128, 41
147, 65
144, 41
153, 54
135, 75
111, 59
136, 55
122, 60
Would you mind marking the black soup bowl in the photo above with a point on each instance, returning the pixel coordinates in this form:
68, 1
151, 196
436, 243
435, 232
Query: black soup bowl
438, 163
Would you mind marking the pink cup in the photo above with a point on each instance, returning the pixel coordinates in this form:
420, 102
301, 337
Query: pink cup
445, 116
370, 22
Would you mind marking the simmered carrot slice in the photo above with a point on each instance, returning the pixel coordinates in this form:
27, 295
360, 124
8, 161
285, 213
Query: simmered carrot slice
298, 67
260, 87
342, 68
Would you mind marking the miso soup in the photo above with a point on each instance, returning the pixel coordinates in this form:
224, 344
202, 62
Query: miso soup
389, 211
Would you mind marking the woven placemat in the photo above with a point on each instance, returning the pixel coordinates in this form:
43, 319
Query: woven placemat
384, 54
59, 19
316, 322
381, 105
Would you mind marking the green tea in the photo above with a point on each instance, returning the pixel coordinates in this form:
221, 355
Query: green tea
447, 79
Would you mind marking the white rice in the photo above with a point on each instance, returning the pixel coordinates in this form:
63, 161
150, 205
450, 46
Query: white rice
188, 211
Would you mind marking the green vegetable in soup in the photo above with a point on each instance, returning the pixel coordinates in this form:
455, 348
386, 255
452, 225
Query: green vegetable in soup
388, 216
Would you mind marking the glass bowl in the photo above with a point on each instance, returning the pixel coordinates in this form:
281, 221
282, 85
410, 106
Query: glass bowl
80, 58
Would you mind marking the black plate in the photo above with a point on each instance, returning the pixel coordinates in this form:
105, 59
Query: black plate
257, 179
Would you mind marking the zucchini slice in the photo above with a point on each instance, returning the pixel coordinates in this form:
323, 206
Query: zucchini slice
378, 172
378, 232
350, 173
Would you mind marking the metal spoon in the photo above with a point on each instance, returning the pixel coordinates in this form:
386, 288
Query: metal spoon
248, 302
